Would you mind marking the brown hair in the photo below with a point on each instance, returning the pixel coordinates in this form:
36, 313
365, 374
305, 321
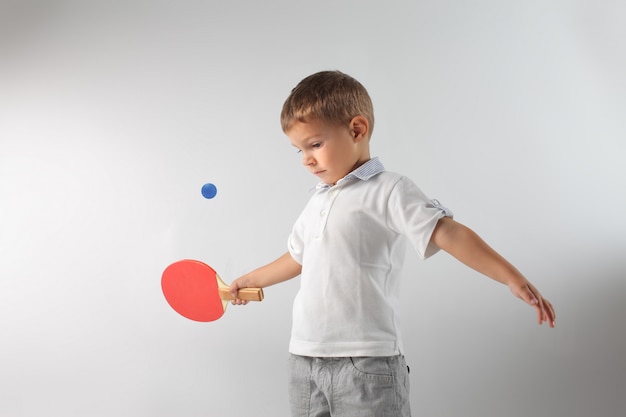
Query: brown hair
331, 96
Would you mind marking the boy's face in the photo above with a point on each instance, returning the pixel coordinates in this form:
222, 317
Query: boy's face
330, 151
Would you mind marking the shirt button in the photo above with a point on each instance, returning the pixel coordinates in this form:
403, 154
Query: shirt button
323, 213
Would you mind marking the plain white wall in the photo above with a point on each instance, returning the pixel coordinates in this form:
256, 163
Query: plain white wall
113, 115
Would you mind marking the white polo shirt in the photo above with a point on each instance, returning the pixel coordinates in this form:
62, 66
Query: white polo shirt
351, 241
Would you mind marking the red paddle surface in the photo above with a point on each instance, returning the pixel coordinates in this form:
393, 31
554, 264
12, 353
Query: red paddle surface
190, 287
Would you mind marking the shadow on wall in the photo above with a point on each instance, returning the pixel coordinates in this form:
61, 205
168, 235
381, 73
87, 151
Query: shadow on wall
588, 361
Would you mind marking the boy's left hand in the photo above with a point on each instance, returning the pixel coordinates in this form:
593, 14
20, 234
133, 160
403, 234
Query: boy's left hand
527, 292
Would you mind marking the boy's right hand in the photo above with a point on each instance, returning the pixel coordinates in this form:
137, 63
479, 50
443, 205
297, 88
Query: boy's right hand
235, 286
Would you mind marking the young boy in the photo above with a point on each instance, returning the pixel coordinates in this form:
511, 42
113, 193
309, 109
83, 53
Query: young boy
348, 247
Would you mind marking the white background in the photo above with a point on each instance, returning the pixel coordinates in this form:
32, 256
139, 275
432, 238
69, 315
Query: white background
114, 114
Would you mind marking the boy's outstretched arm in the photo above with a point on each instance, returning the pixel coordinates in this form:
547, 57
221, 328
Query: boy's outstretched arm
466, 246
282, 269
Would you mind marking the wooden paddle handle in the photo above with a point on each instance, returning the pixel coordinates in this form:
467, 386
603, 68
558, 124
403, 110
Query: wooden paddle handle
248, 294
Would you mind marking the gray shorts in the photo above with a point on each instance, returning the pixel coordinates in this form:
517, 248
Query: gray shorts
349, 387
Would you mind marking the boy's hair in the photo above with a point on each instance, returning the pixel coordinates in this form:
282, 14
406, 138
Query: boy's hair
331, 96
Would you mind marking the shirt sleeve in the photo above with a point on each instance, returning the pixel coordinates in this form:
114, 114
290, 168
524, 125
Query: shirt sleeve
413, 215
295, 242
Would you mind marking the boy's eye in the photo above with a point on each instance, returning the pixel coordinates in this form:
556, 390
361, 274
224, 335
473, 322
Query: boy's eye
314, 145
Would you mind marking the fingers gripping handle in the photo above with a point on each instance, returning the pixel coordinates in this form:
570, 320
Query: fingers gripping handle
247, 294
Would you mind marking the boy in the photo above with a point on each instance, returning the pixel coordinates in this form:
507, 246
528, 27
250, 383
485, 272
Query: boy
348, 245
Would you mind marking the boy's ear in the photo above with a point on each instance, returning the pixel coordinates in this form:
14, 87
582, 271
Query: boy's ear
359, 127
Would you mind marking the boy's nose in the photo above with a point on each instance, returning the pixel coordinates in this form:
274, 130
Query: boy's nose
307, 160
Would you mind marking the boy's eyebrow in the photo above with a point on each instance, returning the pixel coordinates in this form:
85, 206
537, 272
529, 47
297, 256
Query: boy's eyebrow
305, 140
314, 136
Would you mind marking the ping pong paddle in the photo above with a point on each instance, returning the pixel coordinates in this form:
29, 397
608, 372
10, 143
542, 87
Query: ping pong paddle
194, 290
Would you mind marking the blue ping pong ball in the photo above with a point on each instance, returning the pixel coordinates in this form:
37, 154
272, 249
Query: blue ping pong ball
209, 190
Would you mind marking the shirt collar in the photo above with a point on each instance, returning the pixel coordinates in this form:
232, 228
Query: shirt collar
366, 171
